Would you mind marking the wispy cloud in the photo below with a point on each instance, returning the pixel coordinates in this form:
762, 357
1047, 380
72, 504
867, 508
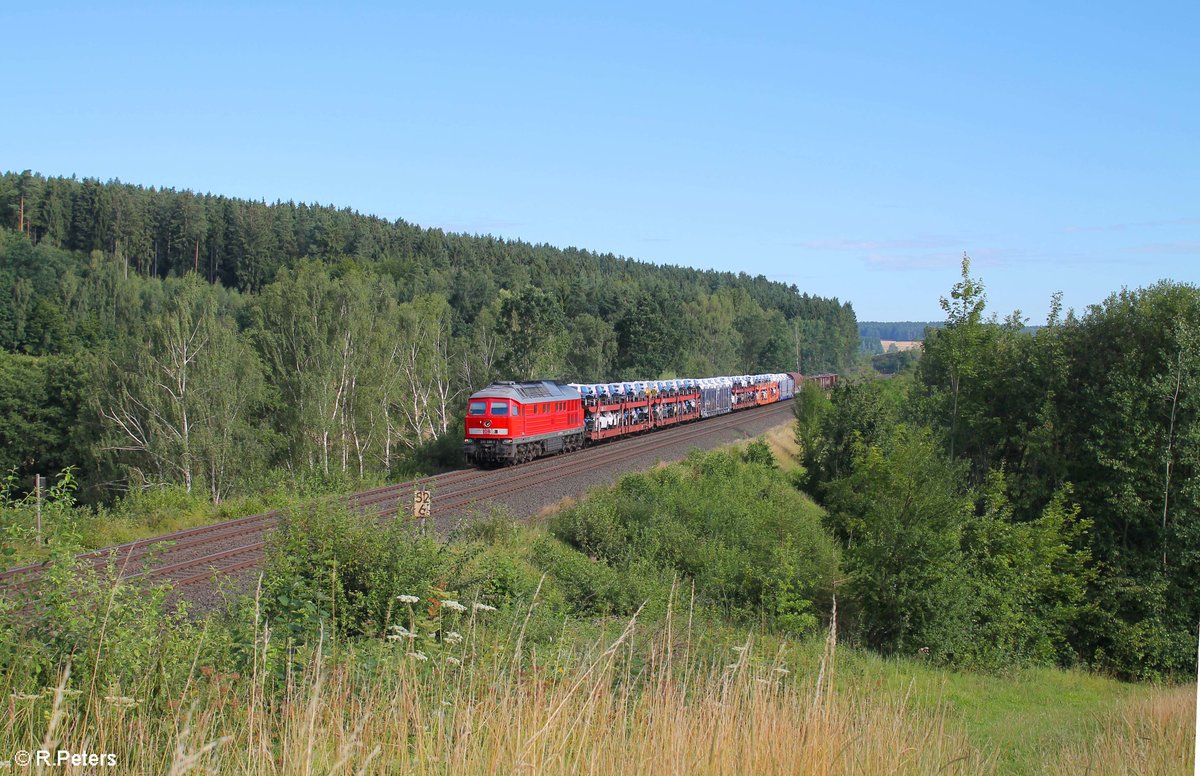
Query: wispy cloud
980, 258
1185, 247
920, 242
902, 254
1131, 225
910, 261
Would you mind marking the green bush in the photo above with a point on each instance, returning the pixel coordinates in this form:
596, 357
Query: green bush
591, 586
115, 636
730, 522
327, 566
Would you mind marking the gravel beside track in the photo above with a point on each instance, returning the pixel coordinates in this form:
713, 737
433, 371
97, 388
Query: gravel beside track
195, 559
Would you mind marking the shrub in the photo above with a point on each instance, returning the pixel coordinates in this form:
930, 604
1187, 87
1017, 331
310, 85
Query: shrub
113, 634
730, 522
329, 566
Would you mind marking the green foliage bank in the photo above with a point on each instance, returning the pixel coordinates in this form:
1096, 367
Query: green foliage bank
1029, 496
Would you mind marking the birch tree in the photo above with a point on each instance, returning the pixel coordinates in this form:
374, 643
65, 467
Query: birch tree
182, 396
315, 335
421, 381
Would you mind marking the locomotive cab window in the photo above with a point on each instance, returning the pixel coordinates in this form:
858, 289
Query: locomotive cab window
516, 409
500, 408
478, 407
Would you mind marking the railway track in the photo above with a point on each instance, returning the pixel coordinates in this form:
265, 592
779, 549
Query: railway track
198, 555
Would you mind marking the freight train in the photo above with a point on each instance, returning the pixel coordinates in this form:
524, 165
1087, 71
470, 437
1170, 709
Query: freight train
509, 422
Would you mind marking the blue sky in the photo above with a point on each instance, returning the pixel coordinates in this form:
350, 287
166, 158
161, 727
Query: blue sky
856, 150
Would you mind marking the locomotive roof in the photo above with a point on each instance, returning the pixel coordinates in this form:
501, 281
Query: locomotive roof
542, 390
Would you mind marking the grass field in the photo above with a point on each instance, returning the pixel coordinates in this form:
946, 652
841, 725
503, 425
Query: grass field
627, 702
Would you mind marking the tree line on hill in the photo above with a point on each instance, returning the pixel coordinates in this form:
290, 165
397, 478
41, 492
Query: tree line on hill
872, 333
161, 337
1025, 496
903, 331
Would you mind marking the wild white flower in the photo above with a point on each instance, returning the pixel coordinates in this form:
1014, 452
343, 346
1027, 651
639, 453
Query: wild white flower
122, 701
453, 637
401, 633
67, 691
453, 661
454, 606
482, 607
740, 649
24, 696
408, 599
418, 656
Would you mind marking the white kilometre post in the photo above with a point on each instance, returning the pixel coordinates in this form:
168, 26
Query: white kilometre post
422, 506
37, 487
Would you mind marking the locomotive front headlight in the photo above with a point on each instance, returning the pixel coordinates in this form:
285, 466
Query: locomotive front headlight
508, 441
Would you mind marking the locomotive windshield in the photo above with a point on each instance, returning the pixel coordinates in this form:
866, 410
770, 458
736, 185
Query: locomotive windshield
478, 407
500, 408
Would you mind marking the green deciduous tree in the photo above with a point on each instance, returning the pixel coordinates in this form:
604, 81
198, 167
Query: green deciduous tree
900, 514
1028, 581
952, 353
183, 395
860, 414
532, 333
592, 349
421, 385
318, 335
1130, 416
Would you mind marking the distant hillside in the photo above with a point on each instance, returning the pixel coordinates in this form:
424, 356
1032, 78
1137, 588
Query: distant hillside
872, 334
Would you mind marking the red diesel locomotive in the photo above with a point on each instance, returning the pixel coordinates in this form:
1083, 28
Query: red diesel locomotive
511, 422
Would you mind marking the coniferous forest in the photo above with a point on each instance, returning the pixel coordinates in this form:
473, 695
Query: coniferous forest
165, 337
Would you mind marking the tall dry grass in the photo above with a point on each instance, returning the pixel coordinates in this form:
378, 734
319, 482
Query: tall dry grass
488, 704
1148, 736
